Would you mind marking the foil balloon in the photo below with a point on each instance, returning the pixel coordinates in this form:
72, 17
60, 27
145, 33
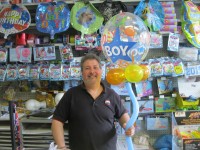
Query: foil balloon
125, 38
190, 20
85, 18
14, 19
52, 17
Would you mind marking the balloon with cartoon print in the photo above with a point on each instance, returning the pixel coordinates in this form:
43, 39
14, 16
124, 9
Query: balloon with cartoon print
85, 18
14, 19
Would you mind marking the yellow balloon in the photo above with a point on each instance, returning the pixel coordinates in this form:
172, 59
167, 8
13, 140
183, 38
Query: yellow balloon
134, 73
116, 76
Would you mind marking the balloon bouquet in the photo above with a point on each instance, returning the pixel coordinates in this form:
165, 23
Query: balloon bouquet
125, 42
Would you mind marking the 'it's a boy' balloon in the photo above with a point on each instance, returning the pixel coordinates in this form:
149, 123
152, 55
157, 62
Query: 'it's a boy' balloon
52, 18
14, 19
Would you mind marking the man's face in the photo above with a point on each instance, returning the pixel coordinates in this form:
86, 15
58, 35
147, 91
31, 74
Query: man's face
91, 71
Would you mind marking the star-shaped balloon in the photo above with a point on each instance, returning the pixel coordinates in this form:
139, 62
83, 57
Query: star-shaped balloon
118, 49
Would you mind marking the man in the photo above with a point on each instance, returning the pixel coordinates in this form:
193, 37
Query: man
90, 110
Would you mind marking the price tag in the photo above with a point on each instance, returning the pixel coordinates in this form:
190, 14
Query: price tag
151, 97
55, 92
140, 118
33, 91
180, 114
173, 95
192, 70
163, 78
162, 96
44, 93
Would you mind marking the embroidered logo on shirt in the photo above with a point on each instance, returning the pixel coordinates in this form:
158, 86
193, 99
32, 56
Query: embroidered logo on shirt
107, 102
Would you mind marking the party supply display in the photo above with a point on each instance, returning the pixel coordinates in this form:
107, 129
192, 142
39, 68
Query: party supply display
125, 39
52, 18
14, 19
85, 18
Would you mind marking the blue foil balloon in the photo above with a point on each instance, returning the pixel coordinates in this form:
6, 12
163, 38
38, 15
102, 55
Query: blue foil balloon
52, 18
135, 112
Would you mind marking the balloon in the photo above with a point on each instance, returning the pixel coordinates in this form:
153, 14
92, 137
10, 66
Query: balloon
146, 71
14, 19
190, 22
135, 112
130, 39
115, 76
129, 31
134, 73
53, 17
85, 18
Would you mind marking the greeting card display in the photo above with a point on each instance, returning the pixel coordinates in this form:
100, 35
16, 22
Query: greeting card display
166, 104
189, 86
146, 106
165, 86
144, 88
157, 123
44, 53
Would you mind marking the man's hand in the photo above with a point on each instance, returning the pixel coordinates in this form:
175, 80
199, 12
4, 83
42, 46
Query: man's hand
130, 131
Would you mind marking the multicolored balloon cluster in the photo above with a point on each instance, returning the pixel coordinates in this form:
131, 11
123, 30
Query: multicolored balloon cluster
132, 73
125, 42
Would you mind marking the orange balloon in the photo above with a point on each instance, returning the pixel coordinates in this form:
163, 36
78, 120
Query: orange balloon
115, 76
146, 72
129, 31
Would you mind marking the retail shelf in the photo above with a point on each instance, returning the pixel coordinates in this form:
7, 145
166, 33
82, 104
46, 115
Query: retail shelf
93, 2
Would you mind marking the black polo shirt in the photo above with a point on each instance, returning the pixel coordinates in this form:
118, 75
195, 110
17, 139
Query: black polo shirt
91, 123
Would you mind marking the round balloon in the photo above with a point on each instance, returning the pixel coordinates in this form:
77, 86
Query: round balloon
85, 18
52, 17
125, 38
133, 73
14, 19
146, 71
115, 76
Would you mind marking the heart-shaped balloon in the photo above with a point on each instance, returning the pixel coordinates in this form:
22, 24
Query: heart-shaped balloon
14, 19
53, 17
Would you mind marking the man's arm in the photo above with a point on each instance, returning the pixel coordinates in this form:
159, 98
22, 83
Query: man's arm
123, 121
58, 134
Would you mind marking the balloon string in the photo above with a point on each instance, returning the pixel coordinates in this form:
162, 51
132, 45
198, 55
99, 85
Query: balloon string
135, 112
